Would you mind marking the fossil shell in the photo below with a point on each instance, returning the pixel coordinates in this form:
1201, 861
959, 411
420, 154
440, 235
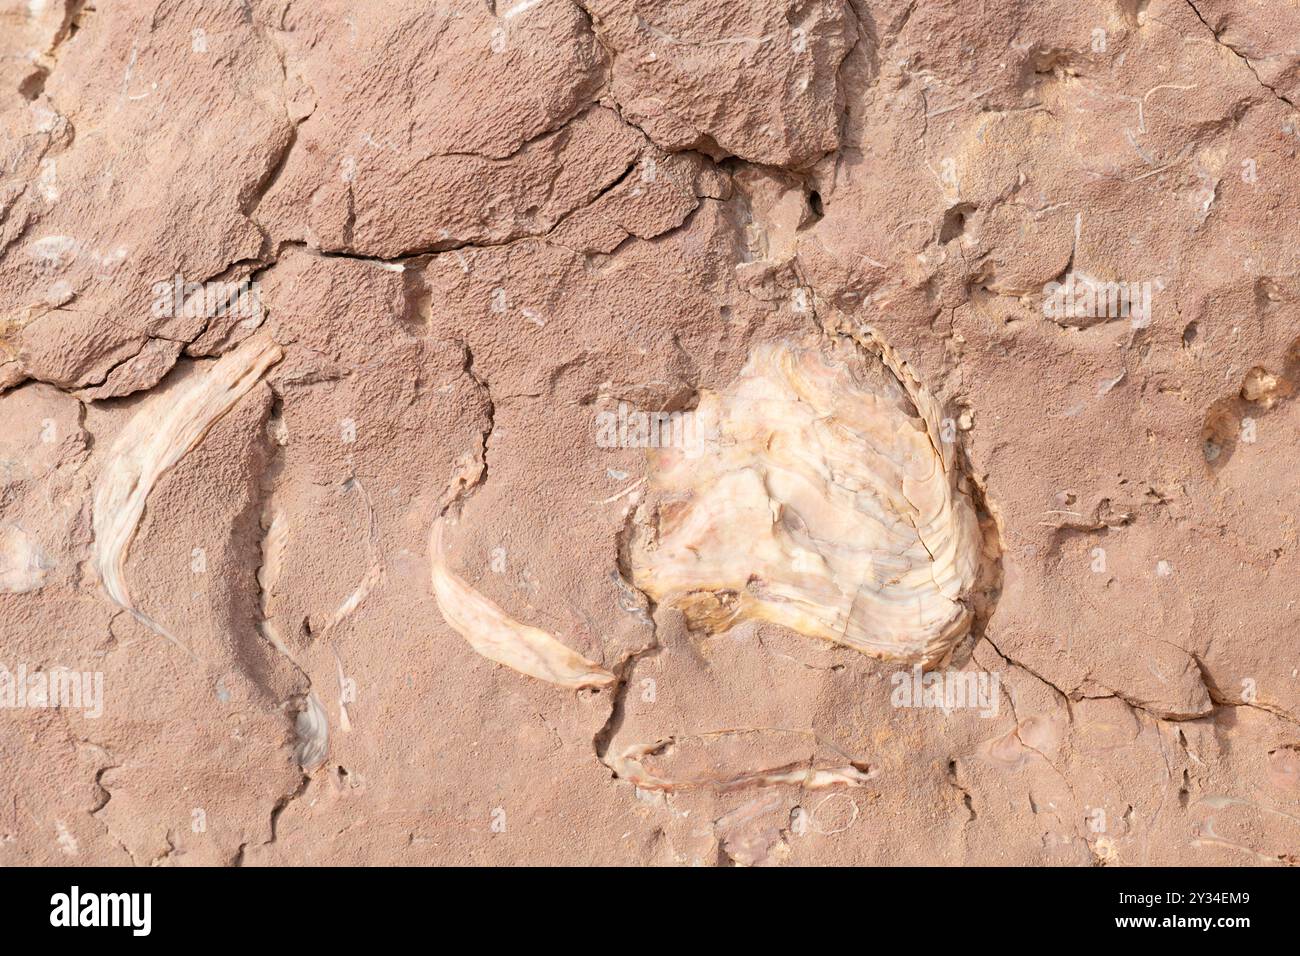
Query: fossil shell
499, 637
164, 430
24, 566
817, 493
720, 761
313, 732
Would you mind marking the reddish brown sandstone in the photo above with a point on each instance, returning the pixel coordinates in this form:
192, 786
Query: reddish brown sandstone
448, 238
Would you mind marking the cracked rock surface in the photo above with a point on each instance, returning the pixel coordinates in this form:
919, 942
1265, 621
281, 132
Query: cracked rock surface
737, 432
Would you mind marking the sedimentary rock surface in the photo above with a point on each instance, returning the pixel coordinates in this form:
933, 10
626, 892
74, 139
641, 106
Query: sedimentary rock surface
745, 432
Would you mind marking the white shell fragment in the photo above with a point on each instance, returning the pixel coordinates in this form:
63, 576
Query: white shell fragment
819, 496
164, 429
312, 729
273, 544
716, 761
24, 565
499, 637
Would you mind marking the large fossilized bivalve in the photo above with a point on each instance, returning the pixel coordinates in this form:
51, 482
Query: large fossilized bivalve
817, 492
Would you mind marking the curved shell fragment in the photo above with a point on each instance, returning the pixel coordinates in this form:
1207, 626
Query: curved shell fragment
164, 429
499, 637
